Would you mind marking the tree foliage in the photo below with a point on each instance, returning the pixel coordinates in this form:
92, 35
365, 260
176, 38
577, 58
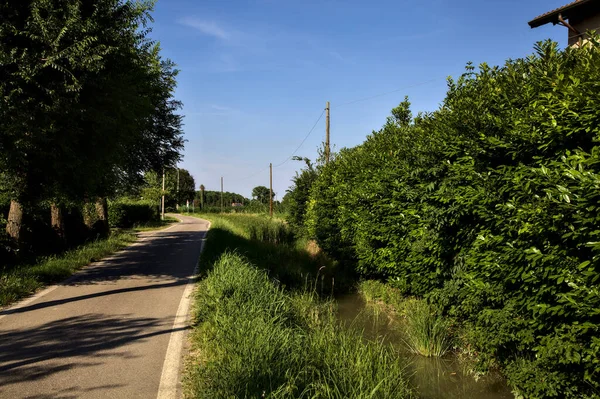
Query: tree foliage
296, 199
489, 208
175, 194
262, 194
87, 100
213, 198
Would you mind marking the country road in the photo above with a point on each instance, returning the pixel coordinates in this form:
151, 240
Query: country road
105, 332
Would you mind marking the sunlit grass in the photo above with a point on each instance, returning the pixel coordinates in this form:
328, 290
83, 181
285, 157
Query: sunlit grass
427, 332
253, 339
274, 249
155, 224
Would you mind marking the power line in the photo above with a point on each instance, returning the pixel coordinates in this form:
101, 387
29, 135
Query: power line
302, 143
341, 105
321, 116
288, 158
361, 100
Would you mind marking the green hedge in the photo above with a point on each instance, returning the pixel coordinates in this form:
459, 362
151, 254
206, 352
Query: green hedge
129, 213
489, 208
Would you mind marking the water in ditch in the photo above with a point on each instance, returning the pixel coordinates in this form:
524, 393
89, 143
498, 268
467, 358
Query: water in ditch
433, 378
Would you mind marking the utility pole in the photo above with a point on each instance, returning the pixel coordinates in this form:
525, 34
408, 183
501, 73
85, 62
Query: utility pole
202, 196
271, 190
221, 194
162, 215
327, 148
177, 188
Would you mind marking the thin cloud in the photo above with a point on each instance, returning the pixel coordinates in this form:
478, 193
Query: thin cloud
209, 28
242, 47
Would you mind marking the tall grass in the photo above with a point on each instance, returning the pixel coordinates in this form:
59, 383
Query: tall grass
256, 227
427, 332
19, 281
270, 245
275, 232
253, 339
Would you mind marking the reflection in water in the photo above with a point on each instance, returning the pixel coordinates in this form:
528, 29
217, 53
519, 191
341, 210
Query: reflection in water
433, 378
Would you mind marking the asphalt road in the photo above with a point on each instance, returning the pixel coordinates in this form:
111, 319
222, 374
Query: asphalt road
105, 332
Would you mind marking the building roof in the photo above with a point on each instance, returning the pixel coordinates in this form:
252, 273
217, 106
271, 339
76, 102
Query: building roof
552, 16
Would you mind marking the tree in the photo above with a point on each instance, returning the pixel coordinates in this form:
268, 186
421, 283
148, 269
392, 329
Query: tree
261, 193
187, 187
298, 195
151, 189
213, 198
45, 50
202, 196
81, 78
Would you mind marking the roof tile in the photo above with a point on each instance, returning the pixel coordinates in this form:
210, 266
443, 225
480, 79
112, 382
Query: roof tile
548, 16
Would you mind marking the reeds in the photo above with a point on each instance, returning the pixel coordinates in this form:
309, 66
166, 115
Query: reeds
427, 333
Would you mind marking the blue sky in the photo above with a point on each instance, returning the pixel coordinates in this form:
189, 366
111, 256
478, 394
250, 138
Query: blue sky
256, 74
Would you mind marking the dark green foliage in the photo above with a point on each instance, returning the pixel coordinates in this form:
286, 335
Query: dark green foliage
297, 197
129, 213
213, 198
261, 194
488, 207
87, 103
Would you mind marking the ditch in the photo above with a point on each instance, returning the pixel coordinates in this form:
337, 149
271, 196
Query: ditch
431, 377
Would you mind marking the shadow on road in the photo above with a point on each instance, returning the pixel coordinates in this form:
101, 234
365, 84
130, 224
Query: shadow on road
146, 261
31, 351
22, 352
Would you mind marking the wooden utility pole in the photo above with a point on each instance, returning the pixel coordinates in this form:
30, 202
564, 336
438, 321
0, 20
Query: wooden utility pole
202, 196
162, 214
177, 188
327, 148
271, 190
221, 194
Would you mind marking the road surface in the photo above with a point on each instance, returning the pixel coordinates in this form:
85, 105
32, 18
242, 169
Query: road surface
105, 332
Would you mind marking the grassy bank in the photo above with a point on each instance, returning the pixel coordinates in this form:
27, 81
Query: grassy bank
20, 281
270, 245
155, 225
262, 328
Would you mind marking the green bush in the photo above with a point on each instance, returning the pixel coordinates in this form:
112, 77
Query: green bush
489, 208
128, 213
297, 197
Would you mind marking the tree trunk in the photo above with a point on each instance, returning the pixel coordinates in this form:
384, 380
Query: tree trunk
14, 226
57, 221
102, 215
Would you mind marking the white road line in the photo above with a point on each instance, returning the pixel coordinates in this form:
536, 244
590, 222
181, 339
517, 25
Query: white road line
169, 379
